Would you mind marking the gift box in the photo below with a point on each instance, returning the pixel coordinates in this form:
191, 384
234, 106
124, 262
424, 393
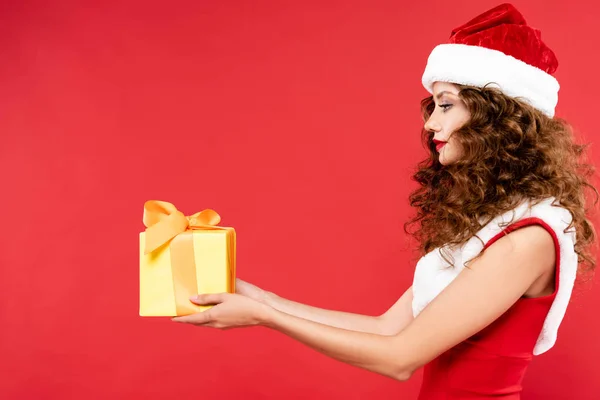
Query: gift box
181, 256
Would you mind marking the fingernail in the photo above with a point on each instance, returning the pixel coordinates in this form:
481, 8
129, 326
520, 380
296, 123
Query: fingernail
194, 297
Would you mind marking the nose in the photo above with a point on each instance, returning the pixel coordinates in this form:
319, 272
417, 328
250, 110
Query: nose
432, 125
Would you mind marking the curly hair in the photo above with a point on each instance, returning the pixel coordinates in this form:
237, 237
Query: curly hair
511, 152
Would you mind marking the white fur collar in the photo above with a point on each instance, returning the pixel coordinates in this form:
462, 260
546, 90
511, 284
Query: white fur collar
432, 273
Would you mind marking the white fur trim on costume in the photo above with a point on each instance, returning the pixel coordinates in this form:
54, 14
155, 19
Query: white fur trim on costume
432, 273
479, 66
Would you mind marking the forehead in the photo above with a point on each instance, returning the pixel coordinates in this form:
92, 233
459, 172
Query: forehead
439, 87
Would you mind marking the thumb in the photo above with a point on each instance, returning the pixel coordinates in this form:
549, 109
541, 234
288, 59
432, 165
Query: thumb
208, 298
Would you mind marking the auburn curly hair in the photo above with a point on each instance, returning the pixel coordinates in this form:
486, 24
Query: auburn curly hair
511, 152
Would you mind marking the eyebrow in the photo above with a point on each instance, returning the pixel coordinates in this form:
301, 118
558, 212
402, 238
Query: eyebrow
440, 94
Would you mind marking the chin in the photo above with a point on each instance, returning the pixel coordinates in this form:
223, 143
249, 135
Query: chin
447, 162
447, 159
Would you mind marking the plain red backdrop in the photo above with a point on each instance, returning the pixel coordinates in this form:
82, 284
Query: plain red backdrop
297, 121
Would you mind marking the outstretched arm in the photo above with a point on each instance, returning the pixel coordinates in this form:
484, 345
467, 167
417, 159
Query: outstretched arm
389, 323
478, 296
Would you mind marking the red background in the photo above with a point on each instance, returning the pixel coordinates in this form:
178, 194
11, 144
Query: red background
297, 121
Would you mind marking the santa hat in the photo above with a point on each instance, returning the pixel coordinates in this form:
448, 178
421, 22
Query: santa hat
498, 48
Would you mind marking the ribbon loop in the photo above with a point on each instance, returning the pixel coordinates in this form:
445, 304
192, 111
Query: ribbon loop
164, 221
206, 217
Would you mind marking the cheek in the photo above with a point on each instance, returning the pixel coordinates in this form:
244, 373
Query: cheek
453, 147
460, 117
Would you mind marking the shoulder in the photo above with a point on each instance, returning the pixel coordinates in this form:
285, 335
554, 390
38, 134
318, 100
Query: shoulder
532, 244
531, 226
527, 238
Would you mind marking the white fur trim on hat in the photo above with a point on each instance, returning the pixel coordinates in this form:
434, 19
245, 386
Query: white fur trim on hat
479, 66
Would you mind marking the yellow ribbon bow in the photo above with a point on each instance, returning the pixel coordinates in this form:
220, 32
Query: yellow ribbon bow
164, 221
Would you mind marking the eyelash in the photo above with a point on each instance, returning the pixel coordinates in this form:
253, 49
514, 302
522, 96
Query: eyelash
445, 107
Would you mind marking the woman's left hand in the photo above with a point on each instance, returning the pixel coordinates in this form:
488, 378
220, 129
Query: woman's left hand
229, 311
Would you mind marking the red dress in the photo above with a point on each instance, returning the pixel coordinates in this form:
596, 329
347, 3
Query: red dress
492, 363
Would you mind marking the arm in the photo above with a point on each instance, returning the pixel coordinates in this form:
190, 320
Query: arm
474, 299
389, 323
477, 297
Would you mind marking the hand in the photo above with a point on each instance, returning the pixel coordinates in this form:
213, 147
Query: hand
229, 311
254, 292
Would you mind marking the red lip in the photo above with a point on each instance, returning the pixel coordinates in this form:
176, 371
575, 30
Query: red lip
438, 144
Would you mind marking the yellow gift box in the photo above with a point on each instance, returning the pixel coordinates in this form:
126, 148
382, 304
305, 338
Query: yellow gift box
181, 256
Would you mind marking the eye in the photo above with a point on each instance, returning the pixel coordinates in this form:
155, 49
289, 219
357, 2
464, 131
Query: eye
445, 107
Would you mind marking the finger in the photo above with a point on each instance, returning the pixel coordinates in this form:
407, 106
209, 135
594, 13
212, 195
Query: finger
197, 318
208, 298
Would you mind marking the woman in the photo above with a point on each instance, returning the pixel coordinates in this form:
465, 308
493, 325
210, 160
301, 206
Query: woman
500, 220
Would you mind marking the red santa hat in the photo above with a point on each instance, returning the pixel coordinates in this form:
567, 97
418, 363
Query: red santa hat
498, 48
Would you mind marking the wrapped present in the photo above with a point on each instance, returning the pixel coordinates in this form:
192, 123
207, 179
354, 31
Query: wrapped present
181, 256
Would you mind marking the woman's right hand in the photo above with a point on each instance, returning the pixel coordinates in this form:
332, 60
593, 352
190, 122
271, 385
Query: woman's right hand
252, 291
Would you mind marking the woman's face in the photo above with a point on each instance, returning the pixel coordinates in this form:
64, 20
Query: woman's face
450, 114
